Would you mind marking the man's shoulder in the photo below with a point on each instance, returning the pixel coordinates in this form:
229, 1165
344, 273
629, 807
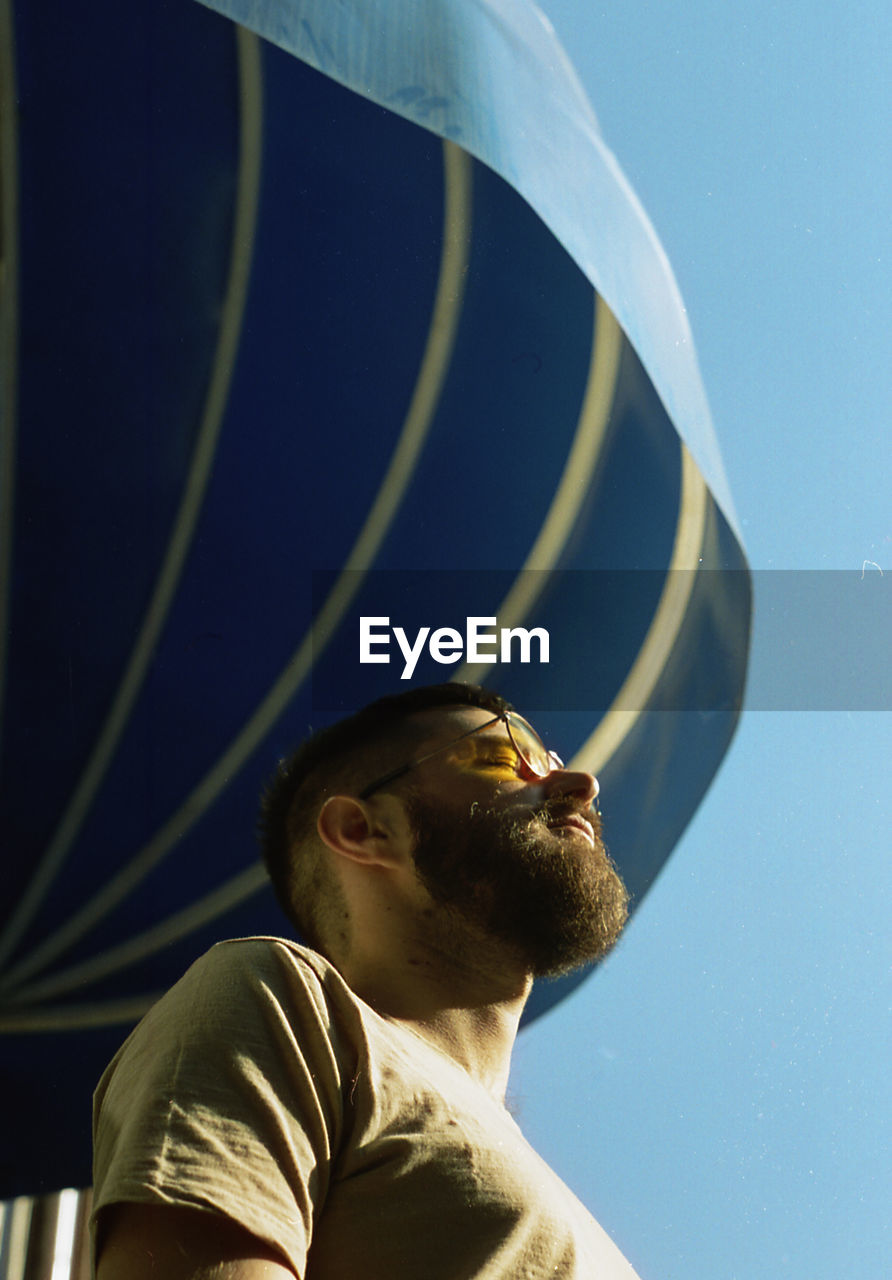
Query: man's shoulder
266, 951
261, 967
234, 1000
266, 944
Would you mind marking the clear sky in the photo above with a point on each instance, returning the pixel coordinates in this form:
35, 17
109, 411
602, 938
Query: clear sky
718, 1093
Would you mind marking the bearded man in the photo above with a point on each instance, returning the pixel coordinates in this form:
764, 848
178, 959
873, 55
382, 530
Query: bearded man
338, 1112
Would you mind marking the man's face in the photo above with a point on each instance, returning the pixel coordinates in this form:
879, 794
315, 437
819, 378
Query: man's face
519, 856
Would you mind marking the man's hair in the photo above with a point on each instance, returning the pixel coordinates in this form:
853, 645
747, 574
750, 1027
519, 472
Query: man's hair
342, 758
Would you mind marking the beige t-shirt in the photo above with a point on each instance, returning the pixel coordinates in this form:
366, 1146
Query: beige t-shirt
261, 1087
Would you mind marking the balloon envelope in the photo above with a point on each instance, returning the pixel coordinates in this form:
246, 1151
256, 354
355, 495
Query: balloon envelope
277, 358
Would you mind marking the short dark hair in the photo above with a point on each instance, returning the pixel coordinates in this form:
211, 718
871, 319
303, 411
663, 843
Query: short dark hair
342, 756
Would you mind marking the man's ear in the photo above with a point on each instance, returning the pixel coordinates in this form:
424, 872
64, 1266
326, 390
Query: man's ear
355, 829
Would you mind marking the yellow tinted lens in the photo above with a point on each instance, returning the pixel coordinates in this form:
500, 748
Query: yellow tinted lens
529, 745
487, 753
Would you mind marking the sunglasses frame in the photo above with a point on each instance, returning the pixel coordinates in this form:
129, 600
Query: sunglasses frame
506, 717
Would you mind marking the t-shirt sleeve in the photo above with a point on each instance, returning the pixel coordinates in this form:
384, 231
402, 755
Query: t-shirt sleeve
229, 1096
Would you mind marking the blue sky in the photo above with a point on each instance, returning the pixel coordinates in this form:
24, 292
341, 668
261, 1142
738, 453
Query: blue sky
718, 1092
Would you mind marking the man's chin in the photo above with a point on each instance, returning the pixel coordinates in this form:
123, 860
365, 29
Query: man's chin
570, 960
577, 935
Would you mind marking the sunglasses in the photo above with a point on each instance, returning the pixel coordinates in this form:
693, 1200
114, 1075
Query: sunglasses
524, 739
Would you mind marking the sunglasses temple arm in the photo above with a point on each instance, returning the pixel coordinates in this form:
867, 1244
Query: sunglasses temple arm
382, 782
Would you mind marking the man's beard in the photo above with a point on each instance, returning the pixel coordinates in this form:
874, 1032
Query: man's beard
555, 901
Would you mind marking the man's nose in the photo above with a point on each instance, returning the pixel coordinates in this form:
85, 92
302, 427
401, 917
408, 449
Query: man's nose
572, 782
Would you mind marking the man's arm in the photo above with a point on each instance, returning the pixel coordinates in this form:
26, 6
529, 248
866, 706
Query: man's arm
229, 1094
161, 1242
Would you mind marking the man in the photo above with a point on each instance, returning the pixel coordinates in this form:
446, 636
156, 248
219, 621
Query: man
338, 1112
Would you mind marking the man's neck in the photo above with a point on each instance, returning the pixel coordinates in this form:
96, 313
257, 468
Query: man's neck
479, 1040
468, 1009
